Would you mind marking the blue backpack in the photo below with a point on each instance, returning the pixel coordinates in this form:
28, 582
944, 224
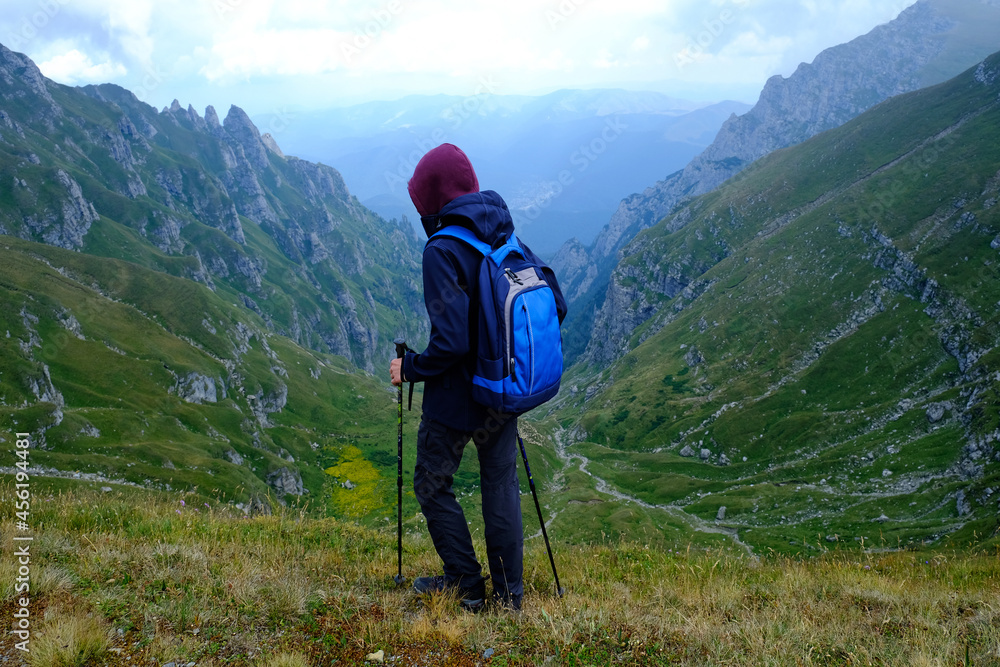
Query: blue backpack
519, 361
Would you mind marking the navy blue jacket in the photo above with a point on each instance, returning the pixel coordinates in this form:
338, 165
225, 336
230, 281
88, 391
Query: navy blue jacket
451, 271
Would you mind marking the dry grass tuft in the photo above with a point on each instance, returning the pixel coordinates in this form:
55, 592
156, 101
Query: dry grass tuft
51, 580
68, 640
285, 660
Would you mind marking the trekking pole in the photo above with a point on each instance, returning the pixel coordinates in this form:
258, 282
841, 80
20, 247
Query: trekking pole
545, 535
401, 349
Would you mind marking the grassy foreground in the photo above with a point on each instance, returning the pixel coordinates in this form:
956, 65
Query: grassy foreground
127, 578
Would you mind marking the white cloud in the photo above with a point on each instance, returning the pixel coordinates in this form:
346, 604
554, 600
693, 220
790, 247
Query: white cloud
754, 44
386, 48
605, 60
131, 21
272, 52
640, 43
74, 68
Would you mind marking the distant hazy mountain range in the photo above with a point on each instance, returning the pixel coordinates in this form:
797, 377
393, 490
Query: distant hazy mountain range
562, 161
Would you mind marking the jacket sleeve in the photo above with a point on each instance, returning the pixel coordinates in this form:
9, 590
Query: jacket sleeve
448, 309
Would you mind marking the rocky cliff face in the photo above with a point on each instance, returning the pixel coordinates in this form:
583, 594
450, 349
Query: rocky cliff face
929, 42
572, 266
190, 186
22, 80
65, 222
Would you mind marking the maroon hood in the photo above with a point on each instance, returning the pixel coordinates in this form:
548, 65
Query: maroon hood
443, 174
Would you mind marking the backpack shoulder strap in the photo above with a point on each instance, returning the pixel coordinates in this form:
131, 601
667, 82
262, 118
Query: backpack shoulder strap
500, 254
468, 236
465, 235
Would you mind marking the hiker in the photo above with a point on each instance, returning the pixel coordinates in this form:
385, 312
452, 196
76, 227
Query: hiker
445, 191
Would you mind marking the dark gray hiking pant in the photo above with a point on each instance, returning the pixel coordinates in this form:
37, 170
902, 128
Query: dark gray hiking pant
439, 452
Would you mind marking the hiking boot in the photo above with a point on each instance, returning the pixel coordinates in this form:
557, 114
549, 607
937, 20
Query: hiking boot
470, 599
473, 605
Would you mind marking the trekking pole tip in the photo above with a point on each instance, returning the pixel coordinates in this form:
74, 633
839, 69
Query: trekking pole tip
399, 579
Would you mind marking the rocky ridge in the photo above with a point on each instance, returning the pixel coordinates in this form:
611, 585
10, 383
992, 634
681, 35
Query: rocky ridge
182, 173
916, 49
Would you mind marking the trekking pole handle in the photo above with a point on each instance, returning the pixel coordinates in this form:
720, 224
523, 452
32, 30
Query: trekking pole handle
401, 349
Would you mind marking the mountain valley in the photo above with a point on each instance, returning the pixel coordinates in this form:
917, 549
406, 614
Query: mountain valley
798, 357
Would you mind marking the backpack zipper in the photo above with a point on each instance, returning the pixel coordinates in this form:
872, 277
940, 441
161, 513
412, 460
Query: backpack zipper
531, 349
529, 283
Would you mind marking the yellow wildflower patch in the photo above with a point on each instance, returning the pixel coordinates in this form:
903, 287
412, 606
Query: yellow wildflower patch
356, 490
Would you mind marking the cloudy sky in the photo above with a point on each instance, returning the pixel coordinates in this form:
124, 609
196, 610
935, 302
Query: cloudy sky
265, 55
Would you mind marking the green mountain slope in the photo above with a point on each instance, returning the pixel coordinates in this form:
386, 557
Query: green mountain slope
213, 202
181, 305
930, 42
122, 374
829, 367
